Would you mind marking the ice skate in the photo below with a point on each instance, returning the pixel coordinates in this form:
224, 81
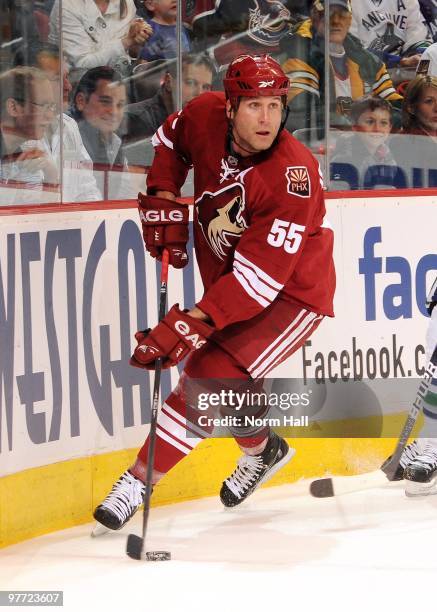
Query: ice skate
253, 470
421, 474
409, 453
120, 504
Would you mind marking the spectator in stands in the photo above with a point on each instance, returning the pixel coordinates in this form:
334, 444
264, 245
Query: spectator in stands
241, 26
428, 61
99, 32
419, 111
392, 29
145, 117
162, 44
429, 12
354, 70
78, 182
98, 107
416, 145
367, 146
27, 109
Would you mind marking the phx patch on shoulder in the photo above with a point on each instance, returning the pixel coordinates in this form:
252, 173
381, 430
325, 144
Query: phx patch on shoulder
298, 181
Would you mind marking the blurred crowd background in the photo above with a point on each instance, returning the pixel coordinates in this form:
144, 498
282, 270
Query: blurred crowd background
84, 85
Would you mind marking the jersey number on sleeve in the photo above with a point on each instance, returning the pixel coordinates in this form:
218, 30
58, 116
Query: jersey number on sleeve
286, 234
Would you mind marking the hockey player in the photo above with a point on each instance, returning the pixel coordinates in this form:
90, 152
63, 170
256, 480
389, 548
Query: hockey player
421, 473
264, 253
418, 463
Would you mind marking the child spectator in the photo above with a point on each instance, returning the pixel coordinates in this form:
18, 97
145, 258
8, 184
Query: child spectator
367, 146
162, 44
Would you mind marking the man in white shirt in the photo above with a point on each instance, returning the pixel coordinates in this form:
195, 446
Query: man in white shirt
27, 110
63, 143
395, 27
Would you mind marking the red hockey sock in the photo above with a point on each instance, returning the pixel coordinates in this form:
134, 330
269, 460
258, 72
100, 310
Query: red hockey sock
175, 437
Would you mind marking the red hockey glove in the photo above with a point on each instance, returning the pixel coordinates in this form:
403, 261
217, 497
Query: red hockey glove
172, 339
165, 226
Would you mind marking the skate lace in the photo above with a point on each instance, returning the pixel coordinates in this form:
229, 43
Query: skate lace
410, 453
246, 472
428, 457
125, 496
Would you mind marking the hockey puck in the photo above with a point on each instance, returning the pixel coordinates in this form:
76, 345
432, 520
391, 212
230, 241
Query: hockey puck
322, 488
158, 555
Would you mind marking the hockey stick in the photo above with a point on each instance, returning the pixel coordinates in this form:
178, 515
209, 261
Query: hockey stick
339, 485
135, 546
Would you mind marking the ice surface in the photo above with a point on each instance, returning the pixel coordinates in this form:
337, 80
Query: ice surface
282, 550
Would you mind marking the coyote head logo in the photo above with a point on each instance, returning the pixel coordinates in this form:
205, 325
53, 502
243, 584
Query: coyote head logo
221, 218
228, 222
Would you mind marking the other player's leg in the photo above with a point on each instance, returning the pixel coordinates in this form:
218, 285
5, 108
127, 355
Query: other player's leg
421, 473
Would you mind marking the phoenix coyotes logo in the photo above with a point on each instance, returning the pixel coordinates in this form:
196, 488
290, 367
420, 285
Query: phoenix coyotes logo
298, 181
222, 223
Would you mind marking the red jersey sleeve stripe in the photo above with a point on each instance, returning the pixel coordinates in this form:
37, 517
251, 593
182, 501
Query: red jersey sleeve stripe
258, 271
255, 282
160, 138
249, 289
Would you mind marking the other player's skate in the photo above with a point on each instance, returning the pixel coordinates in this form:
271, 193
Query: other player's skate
421, 474
124, 499
409, 453
253, 470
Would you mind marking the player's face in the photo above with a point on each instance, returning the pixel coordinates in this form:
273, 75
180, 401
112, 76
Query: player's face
374, 127
105, 107
426, 108
195, 80
255, 124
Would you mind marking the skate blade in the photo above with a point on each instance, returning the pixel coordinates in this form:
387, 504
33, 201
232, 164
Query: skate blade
99, 530
420, 489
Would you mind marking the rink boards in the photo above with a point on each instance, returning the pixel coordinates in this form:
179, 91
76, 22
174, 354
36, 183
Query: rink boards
74, 285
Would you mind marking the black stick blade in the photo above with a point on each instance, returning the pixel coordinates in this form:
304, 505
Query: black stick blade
134, 550
134, 546
322, 488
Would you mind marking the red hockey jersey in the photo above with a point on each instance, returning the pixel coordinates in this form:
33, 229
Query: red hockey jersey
260, 232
